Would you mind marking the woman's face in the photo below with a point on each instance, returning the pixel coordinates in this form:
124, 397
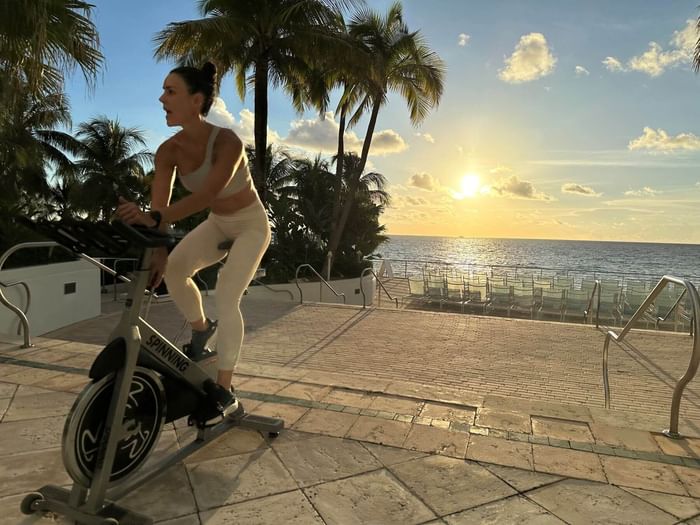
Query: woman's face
180, 106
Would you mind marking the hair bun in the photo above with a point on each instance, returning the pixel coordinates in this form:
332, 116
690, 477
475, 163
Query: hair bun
209, 72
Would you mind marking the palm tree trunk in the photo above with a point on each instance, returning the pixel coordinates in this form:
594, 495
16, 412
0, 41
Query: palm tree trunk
337, 232
337, 187
260, 126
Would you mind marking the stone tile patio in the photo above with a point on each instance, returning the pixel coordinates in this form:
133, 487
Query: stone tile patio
393, 417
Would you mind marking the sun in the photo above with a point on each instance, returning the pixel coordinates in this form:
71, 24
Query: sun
470, 185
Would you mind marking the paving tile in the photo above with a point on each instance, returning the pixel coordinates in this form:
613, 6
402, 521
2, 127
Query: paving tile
291, 508
642, 474
165, 497
566, 462
392, 455
289, 413
323, 458
31, 376
500, 451
521, 480
382, 431
437, 441
688, 447
305, 391
585, 502
561, 429
67, 383
680, 506
326, 422
512, 510
690, 477
235, 441
191, 519
396, 405
26, 472
7, 390
31, 435
375, 497
503, 420
265, 386
629, 419
623, 437
448, 412
4, 405
39, 406
349, 398
579, 413
449, 485
238, 478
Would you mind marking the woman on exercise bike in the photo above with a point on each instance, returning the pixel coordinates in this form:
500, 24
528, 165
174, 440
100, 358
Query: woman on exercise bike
211, 163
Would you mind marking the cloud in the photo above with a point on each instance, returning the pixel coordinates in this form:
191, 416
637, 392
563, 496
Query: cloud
427, 137
613, 64
646, 191
463, 39
521, 189
424, 181
531, 60
578, 189
581, 71
322, 135
659, 141
655, 60
219, 115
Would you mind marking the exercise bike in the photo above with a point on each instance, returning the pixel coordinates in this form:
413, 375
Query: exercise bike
139, 382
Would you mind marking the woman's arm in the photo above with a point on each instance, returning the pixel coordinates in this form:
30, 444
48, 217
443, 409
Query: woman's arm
228, 153
162, 185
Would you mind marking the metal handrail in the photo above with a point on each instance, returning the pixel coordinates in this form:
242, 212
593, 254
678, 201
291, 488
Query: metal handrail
596, 288
50, 244
321, 283
672, 431
268, 287
10, 305
381, 285
662, 319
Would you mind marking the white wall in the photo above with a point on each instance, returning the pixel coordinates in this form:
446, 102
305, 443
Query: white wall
315, 292
50, 307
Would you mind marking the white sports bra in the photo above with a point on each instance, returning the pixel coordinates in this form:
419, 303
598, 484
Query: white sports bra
194, 180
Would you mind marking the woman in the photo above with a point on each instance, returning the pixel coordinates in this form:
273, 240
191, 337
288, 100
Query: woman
211, 163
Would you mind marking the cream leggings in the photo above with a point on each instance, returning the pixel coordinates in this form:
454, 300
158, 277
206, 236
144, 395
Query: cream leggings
250, 231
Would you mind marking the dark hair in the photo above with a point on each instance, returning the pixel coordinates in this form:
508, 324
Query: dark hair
200, 81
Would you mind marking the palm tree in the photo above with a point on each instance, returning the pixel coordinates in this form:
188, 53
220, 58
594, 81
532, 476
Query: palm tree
261, 41
399, 61
42, 39
110, 164
30, 144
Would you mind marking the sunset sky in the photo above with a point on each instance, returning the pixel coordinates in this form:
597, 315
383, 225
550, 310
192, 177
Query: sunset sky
560, 119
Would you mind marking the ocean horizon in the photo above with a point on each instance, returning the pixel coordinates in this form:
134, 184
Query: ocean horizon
651, 259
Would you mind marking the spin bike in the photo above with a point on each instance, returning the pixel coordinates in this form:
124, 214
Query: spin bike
139, 382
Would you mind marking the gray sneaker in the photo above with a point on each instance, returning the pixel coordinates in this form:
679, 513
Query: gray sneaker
197, 349
228, 405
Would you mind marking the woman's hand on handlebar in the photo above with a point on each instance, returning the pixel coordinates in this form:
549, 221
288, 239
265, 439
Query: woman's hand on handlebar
159, 261
130, 213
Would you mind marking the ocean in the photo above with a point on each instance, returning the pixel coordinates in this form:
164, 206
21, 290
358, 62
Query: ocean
579, 257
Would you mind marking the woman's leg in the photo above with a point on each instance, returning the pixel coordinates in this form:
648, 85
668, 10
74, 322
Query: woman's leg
251, 241
197, 250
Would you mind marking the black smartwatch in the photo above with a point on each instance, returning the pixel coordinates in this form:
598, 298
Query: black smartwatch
156, 216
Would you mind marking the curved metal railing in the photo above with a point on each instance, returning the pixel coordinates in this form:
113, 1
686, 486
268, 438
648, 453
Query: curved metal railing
596, 288
21, 314
672, 431
381, 285
48, 244
321, 283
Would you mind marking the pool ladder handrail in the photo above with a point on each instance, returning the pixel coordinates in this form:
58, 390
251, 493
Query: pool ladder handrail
672, 431
381, 285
